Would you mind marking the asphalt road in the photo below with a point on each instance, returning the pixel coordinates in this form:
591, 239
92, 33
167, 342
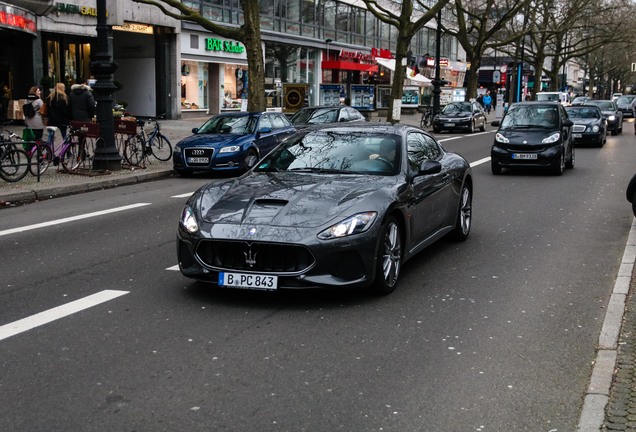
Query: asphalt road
495, 334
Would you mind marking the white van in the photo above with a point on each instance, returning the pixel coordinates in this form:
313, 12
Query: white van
554, 97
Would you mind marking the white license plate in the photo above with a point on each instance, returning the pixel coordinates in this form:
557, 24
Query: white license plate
577, 135
524, 155
250, 281
198, 160
449, 124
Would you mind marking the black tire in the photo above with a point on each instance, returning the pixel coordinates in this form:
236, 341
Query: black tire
250, 159
464, 215
42, 157
569, 163
14, 164
559, 167
389, 258
134, 151
634, 205
483, 126
471, 129
72, 158
161, 148
495, 167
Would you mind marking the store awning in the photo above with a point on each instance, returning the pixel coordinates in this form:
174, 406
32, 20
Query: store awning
348, 65
410, 74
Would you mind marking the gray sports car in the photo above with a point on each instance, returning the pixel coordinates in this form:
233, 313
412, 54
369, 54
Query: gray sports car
341, 206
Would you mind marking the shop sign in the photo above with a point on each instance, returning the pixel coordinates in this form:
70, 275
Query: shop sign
134, 28
381, 53
76, 9
213, 44
355, 55
17, 19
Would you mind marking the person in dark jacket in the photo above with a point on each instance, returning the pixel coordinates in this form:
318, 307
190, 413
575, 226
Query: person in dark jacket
58, 110
81, 101
36, 123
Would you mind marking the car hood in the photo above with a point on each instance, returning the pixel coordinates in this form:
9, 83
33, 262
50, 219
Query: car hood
298, 200
454, 115
584, 121
530, 136
210, 140
609, 113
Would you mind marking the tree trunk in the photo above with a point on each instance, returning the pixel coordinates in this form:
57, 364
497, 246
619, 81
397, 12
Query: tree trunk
473, 78
397, 88
256, 78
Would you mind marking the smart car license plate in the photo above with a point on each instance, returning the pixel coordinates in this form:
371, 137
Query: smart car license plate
449, 124
198, 160
524, 155
249, 281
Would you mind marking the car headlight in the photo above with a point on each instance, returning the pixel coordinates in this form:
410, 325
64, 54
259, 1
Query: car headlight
611, 118
551, 139
354, 225
595, 128
500, 138
230, 149
188, 220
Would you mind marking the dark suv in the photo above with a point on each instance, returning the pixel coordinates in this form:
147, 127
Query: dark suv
533, 135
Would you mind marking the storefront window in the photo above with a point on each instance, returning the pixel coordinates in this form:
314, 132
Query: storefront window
234, 86
53, 56
194, 85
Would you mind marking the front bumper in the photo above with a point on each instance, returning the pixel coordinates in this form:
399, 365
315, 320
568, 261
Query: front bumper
537, 156
450, 124
218, 162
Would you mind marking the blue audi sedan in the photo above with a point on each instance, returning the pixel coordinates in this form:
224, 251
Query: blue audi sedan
231, 142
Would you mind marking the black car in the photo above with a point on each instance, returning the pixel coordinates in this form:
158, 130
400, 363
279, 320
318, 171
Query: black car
326, 114
626, 104
231, 142
631, 193
460, 115
590, 127
612, 114
341, 206
579, 100
533, 135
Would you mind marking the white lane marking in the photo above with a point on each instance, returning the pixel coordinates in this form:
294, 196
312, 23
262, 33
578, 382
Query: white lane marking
450, 139
70, 219
480, 161
185, 195
58, 312
173, 268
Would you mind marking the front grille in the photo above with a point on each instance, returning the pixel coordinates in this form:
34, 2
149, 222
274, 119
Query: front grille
198, 156
578, 128
257, 257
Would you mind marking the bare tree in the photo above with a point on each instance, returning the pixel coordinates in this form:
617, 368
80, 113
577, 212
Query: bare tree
400, 16
249, 34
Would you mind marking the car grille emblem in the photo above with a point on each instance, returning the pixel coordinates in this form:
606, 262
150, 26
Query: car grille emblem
250, 259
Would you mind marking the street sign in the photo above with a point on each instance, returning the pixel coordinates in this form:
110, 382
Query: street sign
496, 76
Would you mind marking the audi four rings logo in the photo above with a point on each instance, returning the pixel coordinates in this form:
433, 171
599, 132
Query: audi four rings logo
198, 152
250, 259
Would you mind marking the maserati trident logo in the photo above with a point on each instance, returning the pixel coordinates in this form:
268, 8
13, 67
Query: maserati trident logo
250, 258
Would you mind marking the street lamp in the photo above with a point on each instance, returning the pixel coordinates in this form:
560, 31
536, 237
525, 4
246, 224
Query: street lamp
437, 81
107, 156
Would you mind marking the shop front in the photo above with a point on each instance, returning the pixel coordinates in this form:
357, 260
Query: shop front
213, 76
352, 73
18, 31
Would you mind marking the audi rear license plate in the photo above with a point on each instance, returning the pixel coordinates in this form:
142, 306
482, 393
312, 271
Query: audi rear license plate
524, 155
248, 281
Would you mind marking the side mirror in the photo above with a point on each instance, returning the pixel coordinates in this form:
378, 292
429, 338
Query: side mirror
195, 130
495, 123
568, 123
430, 167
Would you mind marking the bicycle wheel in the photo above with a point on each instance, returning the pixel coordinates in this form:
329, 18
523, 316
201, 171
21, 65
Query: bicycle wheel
14, 165
71, 157
161, 148
44, 156
134, 151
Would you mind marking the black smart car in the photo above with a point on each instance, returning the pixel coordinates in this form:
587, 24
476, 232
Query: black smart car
533, 135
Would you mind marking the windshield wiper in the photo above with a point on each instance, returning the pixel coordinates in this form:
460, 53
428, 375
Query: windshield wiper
321, 170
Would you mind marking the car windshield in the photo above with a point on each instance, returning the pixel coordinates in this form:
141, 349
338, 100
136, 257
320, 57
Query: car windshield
583, 113
625, 100
454, 108
313, 116
242, 125
548, 97
530, 116
604, 105
346, 152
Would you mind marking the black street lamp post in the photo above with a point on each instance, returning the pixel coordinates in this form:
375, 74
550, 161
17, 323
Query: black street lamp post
107, 156
437, 81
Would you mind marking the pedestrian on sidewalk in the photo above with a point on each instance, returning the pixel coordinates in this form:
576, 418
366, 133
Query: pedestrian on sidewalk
58, 108
81, 101
487, 102
35, 122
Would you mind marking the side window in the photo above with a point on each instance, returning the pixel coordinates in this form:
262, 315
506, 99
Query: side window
264, 122
354, 114
277, 122
421, 147
343, 115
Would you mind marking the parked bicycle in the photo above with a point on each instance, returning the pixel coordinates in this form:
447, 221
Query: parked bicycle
14, 162
427, 118
71, 153
138, 147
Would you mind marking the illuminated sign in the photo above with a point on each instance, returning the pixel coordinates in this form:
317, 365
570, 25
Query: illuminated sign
355, 55
212, 44
135, 28
75, 9
17, 19
382, 53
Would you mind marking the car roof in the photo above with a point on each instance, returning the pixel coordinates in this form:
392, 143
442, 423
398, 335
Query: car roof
543, 103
